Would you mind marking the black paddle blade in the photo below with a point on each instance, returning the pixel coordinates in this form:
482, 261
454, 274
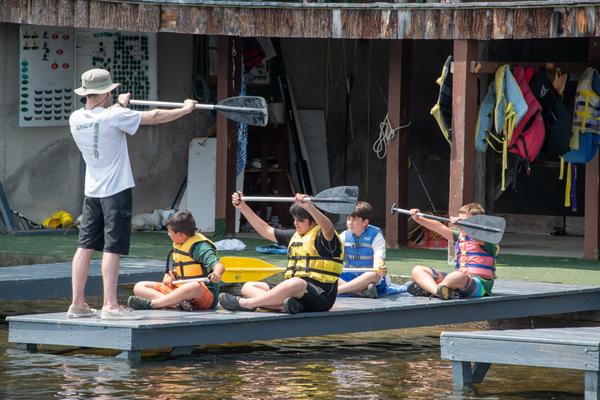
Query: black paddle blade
337, 200
486, 228
250, 110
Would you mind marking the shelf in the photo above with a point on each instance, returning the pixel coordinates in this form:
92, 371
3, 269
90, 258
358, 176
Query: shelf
267, 170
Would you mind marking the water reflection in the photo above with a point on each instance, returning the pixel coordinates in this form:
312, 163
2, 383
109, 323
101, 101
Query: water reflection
398, 364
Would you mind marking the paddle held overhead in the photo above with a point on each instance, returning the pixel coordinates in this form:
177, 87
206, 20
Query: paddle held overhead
482, 227
336, 200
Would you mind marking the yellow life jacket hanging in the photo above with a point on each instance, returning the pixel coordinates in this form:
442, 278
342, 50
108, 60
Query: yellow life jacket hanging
442, 110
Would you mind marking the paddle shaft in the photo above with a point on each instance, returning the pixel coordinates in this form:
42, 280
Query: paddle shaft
276, 270
198, 106
291, 199
442, 219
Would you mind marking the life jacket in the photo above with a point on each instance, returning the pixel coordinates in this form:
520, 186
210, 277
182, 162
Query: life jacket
586, 115
359, 250
472, 259
305, 262
442, 110
184, 265
528, 136
557, 120
485, 120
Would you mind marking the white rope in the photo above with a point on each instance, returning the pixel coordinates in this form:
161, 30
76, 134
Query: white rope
386, 135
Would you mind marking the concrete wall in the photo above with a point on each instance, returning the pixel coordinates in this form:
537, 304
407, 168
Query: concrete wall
41, 168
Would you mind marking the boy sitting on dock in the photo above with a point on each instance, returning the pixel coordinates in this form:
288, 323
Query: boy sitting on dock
364, 247
315, 257
192, 256
475, 268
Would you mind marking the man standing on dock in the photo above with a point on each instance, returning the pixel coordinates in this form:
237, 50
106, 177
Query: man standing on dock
100, 131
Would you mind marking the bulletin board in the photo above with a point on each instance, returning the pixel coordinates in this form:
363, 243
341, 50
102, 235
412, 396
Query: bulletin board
46, 76
53, 59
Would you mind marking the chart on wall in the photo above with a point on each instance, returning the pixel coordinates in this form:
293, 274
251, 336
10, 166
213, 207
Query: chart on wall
46, 76
130, 58
52, 61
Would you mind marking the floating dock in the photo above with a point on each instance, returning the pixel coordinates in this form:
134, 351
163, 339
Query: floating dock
183, 330
53, 281
472, 353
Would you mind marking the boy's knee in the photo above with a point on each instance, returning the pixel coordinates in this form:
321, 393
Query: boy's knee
137, 287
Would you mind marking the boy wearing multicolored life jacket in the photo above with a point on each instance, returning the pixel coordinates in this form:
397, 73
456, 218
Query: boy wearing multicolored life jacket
364, 247
315, 257
475, 268
192, 256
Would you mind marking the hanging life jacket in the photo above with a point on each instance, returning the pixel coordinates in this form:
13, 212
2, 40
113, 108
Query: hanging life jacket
358, 253
557, 120
181, 256
442, 110
485, 120
528, 136
305, 262
472, 259
586, 118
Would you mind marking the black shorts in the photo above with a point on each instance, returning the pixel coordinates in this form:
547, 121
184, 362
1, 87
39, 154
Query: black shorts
319, 296
106, 223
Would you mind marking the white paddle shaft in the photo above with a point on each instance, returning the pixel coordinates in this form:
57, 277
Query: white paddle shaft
182, 281
169, 104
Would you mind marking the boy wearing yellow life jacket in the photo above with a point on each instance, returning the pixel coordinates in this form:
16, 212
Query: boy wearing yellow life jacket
315, 257
192, 256
475, 267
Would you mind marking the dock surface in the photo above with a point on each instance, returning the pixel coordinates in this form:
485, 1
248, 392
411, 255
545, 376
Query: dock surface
473, 353
183, 330
53, 281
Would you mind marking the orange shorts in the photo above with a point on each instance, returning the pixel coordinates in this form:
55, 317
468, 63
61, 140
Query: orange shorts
203, 302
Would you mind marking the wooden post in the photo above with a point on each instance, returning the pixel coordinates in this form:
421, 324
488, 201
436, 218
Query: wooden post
396, 180
464, 115
590, 235
226, 141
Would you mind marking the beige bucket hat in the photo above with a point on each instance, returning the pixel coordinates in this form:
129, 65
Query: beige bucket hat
96, 81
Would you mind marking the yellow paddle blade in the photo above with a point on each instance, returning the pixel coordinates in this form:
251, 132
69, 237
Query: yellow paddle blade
245, 269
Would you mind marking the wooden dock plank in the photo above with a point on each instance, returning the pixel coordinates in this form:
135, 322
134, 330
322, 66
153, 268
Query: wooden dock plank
53, 281
569, 348
181, 329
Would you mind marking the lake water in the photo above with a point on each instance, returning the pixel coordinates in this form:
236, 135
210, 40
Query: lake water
397, 364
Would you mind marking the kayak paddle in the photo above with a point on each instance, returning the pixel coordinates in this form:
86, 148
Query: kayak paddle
250, 110
241, 269
336, 200
486, 228
245, 269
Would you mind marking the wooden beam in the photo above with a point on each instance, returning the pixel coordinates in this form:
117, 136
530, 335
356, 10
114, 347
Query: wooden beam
490, 67
226, 141
464, 114
590, 232
396, 181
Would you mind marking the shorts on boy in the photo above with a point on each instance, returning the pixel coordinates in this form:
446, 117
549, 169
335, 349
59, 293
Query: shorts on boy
474, 287
205, 301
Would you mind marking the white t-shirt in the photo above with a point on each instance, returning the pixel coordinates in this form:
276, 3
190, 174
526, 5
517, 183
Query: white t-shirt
101, 137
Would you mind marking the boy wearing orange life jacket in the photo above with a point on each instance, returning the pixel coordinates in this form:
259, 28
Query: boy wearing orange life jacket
192, 256
475, 268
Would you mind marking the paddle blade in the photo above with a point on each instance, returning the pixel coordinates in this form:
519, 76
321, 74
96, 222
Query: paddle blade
489, 228
250, 110
246, 269
337, 200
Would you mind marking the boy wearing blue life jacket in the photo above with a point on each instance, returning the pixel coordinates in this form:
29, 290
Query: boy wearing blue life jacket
475, 268
364, 247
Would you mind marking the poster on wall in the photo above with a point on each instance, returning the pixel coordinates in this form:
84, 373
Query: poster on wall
53, 59
45, 75
129, 57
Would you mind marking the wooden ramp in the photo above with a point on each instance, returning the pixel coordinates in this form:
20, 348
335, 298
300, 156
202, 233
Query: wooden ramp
53, 281
183, 330
571, 348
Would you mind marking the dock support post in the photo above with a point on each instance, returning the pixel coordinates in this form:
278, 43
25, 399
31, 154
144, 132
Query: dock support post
479, 370
181, 351
462, 375
131, 356
591, 385
30, 347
